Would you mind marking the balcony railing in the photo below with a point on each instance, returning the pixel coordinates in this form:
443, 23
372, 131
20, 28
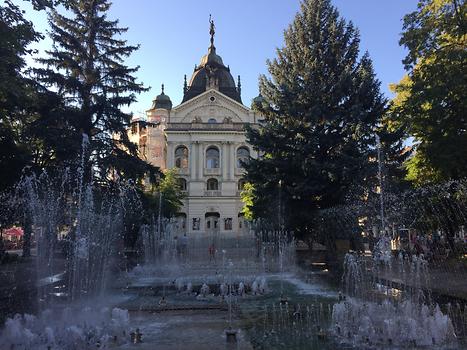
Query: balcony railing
183, 171
212, 171
206, 126
212, 193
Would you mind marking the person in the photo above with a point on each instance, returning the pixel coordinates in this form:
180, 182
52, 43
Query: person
212, 252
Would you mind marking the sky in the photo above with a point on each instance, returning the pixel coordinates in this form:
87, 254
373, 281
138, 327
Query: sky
174, 35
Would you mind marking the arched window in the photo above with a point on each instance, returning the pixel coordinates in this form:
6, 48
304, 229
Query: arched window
181, 157
212, 185
212, 121
212, 158
243, 155
182, 184
241, 184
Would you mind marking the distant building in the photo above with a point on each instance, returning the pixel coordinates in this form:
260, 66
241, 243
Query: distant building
204, 138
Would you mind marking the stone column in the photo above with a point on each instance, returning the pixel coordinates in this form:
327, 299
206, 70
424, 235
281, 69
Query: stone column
224, 160
192, 160
195, 160
232, 159
170, 155
200, 160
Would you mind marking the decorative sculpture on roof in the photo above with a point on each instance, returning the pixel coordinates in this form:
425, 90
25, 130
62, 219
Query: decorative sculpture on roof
212, 29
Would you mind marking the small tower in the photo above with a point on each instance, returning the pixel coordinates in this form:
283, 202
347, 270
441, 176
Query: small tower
258, 102
154, 138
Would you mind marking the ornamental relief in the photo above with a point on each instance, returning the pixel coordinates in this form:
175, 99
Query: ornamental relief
205, 112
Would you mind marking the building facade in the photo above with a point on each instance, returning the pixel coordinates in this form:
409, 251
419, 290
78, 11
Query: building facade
204, 139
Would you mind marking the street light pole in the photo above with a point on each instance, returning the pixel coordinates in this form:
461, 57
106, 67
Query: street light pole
380, 176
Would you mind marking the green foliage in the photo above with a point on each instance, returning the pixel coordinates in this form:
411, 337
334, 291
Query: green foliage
86, 68
16, 91
431, 100
171, 198
323, 109
248, 199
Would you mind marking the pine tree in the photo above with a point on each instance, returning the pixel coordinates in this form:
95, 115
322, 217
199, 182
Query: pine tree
86, 68
323, 108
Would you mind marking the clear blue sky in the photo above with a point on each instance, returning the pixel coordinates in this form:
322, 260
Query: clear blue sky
173, 35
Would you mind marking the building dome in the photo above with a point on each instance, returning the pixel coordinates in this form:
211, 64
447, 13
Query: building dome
212, 74
162, 101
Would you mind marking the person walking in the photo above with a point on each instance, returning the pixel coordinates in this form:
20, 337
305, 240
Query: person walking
212, 252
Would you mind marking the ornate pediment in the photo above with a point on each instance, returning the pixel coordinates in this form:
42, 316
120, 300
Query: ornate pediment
211, 106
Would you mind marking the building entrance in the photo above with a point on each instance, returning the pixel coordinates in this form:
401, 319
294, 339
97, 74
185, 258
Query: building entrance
212, 222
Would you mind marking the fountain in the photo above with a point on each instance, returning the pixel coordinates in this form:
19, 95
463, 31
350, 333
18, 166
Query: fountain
366, 319
87, 223
70, 329
256, 279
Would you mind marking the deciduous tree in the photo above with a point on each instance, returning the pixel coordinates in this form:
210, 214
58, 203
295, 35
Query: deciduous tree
431, 100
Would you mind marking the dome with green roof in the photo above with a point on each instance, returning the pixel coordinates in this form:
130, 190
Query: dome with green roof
162, 101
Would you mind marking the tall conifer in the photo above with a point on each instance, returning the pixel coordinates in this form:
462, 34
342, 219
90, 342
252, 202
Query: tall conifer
86, 66
323, 109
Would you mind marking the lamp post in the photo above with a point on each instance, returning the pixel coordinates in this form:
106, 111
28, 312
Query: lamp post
380, 176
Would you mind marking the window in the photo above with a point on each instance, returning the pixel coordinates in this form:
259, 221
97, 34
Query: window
196, 224
212, 158
182, 184
212, 121
227, 223
181, 157
243, 155
212, 185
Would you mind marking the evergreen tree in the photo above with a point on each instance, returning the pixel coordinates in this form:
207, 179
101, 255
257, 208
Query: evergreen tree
16, 90
323, 109
86, 68
431, 100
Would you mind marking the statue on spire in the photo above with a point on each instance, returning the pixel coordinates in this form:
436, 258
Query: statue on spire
212, 30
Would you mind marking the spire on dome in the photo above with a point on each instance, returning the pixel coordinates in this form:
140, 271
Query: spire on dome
211, 73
